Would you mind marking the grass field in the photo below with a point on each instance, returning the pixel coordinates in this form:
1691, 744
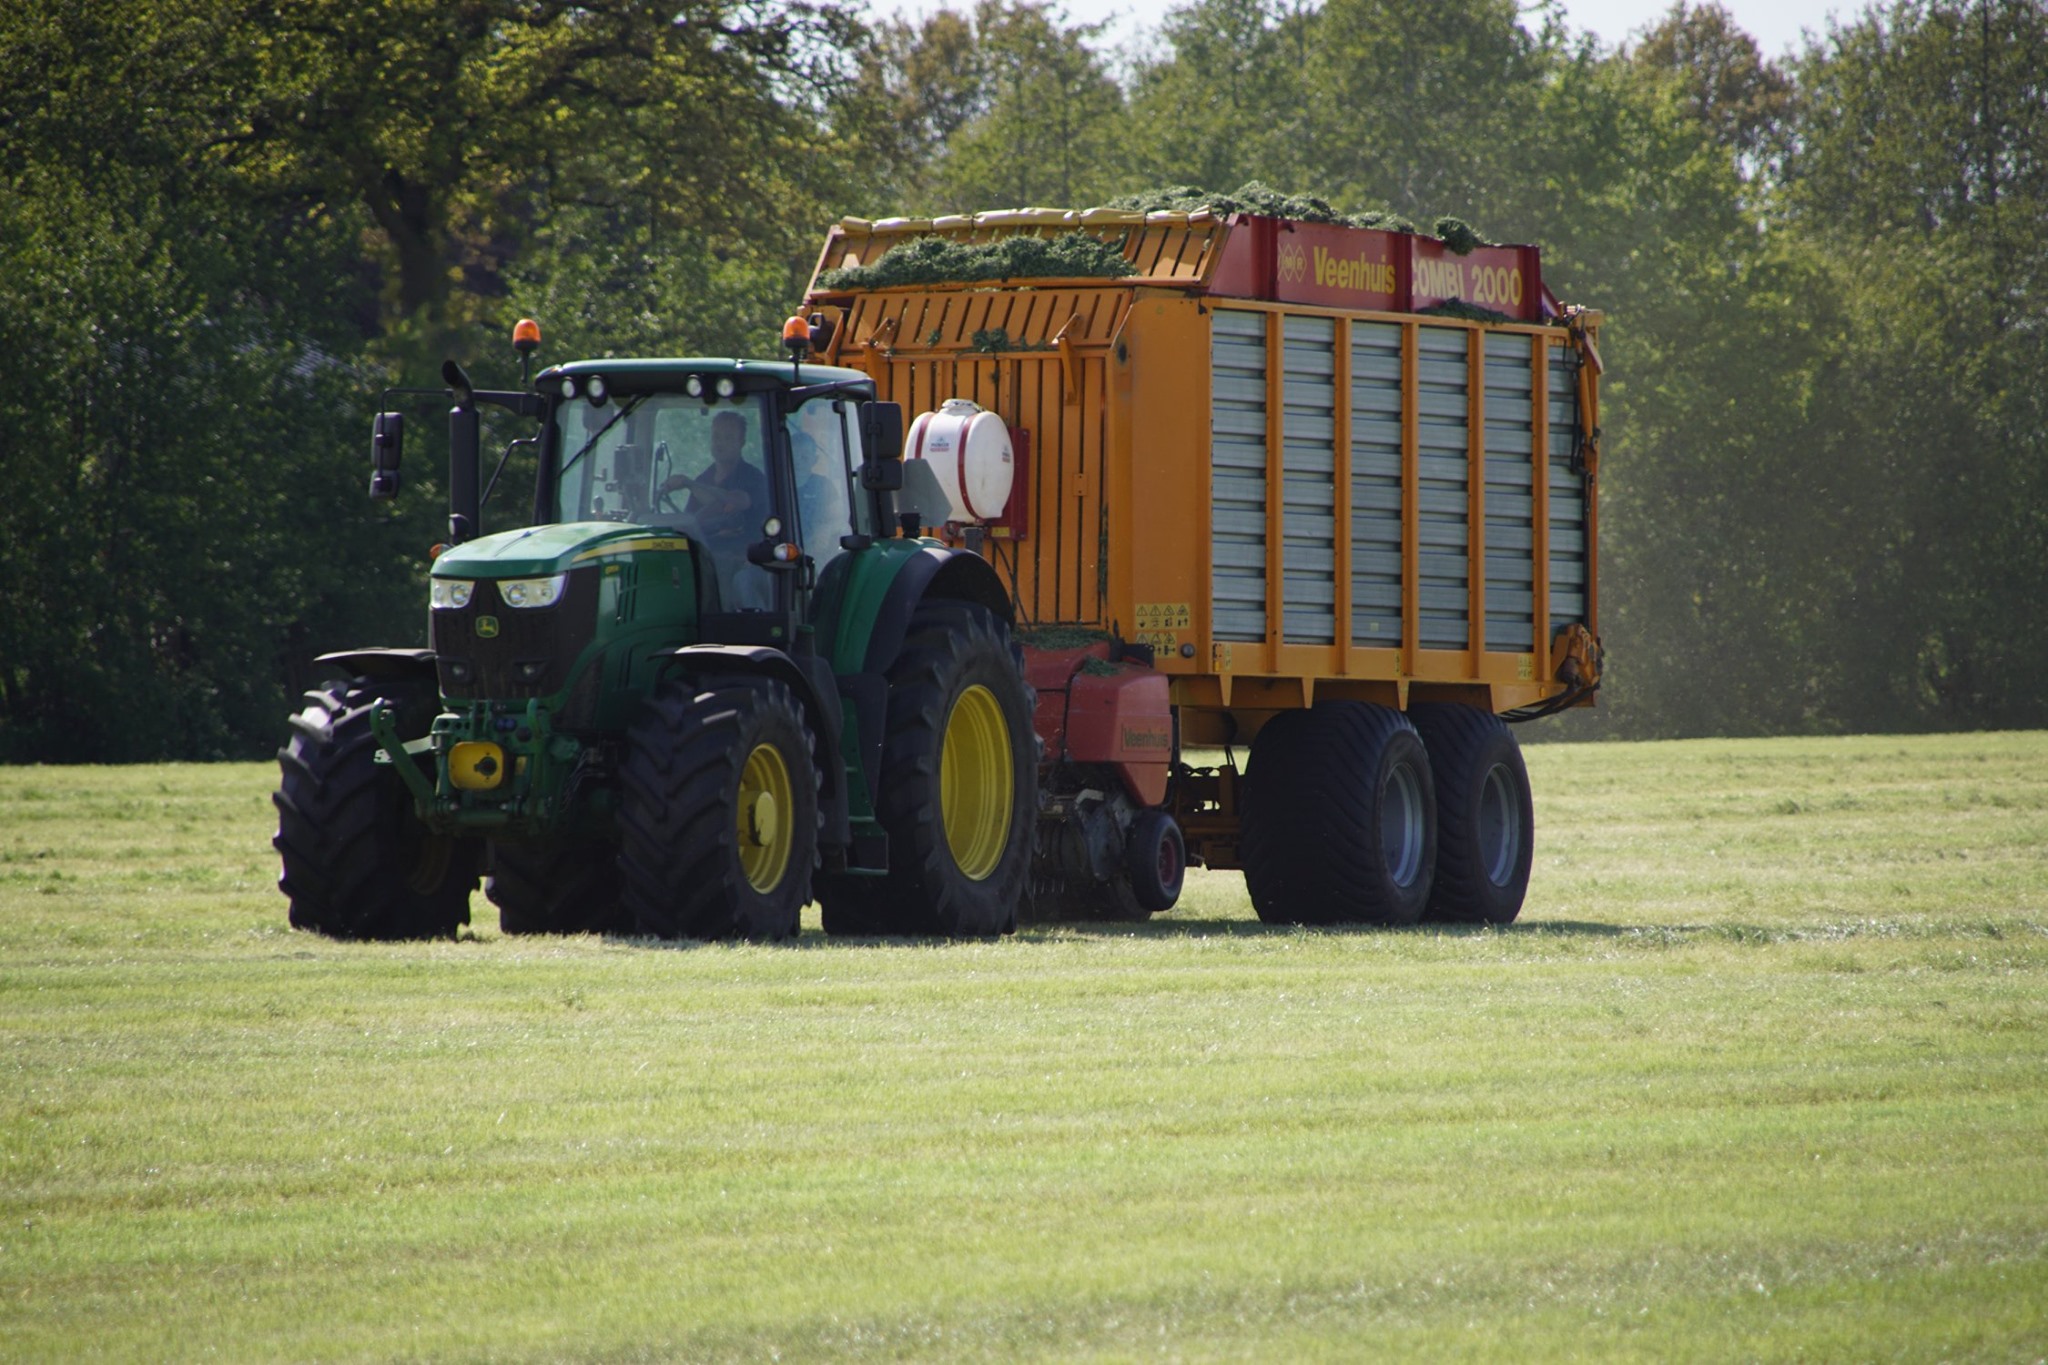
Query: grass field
1761, 1073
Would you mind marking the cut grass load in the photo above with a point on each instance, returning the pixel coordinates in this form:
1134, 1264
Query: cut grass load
1762, 1071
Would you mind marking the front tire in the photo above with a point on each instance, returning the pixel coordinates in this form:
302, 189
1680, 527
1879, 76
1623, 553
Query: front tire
1485, 818
959, 787
358, 864
556, 888
718, 812
1339, 818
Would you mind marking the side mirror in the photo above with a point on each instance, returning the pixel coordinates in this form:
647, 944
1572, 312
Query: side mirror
881, 447
387, 443
923, 496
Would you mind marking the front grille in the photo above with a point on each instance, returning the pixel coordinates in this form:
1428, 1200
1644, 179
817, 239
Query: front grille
532, 650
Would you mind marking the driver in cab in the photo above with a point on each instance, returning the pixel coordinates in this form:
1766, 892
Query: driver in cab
728, 500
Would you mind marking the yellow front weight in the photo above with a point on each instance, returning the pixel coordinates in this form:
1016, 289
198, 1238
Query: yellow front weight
477, 766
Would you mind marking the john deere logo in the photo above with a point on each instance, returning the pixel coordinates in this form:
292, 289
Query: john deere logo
487, 627
1293, 263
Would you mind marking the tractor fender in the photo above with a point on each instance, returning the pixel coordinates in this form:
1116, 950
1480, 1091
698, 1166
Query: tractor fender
383, 663
865, 604
934, 572
811, 686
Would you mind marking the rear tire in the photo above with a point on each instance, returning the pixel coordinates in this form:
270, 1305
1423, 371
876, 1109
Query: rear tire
1485, 818
1339, 821
958, 790
358, 864
556, 888
718, 812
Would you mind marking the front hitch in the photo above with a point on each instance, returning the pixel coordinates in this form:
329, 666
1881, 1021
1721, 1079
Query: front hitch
400, 755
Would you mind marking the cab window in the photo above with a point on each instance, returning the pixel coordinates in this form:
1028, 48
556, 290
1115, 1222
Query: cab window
824, 448
675, 462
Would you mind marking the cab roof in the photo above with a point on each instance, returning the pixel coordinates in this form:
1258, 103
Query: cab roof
659, 373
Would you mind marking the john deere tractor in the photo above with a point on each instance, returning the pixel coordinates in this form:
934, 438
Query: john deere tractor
718, 675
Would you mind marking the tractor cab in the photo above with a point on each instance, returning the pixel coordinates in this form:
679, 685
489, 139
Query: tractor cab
757, 465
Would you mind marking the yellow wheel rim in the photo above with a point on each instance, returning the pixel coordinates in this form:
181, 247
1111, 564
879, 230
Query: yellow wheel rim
976, 782
430, 864
763, 818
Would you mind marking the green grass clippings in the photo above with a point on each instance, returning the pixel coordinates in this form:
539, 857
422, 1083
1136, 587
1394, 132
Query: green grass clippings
1062, 637
1083, 255
1458, 308
1458, 236
935, 260
1257, 197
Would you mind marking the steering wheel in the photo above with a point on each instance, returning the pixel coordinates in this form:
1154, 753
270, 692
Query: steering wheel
664, 500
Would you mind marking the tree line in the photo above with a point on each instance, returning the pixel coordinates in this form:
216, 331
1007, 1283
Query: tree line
227, 225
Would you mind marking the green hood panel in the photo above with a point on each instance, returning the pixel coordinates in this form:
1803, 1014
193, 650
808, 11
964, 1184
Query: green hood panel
536, 551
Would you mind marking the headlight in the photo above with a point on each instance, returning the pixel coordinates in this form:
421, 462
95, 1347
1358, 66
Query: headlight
532, 592
450, 594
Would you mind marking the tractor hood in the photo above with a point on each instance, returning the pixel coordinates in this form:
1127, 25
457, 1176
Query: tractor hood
537, 551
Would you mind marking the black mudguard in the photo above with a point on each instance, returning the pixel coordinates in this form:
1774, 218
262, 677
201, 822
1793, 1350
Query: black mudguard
383, 663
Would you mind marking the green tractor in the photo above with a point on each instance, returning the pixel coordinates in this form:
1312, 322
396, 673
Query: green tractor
719, 675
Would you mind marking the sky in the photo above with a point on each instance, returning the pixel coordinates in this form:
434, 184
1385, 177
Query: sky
1775, 24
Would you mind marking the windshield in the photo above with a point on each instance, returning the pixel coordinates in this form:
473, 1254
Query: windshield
673, 461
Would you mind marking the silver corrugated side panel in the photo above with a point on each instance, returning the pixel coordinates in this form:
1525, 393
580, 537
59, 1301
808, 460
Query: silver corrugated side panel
1376, 484
1237, 473
1443, 505
1567, 496
1510, 494
1308, 467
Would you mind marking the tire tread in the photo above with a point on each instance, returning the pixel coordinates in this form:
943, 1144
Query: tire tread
1458, 739
678, 864
340, 818
1310, 840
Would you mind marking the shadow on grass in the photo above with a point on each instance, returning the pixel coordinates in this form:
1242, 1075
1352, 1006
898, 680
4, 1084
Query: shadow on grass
1653, 935
812, 941
1242, 928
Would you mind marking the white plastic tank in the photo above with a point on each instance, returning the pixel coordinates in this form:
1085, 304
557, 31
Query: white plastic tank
968, 448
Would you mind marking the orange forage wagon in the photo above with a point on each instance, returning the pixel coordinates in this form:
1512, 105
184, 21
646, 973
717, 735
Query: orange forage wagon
1320, 495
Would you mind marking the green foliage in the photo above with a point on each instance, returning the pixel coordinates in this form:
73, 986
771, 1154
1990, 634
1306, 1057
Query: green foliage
1007, 105
226, 229
1226, 100
171, 548
1830, 444
1726, 84
934, 260
1428, 107
1919, 176
1759, 1074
